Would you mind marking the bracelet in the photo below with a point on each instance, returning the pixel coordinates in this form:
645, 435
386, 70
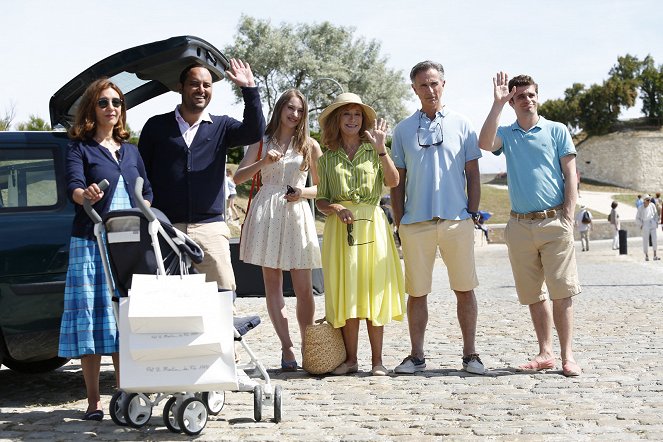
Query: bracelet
382, 154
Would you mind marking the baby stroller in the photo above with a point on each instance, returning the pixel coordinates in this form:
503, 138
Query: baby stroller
142, 241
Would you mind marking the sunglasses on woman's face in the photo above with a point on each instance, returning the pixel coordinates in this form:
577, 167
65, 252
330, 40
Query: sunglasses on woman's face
351, 239
104, 102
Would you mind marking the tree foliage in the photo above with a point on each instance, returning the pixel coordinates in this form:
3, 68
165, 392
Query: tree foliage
317, 59
597, 108
8, 117
651, 90
34, 123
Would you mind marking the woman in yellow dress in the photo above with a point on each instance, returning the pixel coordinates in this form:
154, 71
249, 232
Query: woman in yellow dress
362, 270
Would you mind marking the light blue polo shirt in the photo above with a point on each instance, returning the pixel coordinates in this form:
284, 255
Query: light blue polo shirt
435, 179
534, 170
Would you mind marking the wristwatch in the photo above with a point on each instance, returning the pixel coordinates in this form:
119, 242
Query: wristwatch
475, 216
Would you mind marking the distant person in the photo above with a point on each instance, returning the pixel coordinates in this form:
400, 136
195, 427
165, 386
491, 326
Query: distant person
541, 160
362, 269
481, 222
647, 220
638, 202
99, 151
233, 213
583, 223
279, 233
613, 219
435, 204
185, 156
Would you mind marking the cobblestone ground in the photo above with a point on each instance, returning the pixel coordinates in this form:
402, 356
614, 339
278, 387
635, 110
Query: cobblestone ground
618, 342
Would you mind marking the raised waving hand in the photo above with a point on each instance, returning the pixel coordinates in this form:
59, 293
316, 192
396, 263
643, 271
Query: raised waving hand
501, 88
378, 135
240, 73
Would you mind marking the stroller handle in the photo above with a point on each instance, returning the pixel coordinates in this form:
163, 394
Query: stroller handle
103, 184
140, 202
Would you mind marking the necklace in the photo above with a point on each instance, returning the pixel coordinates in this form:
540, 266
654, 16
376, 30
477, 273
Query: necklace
281, 147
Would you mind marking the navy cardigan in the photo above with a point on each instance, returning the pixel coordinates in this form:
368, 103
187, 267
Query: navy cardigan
188, 182
88, 162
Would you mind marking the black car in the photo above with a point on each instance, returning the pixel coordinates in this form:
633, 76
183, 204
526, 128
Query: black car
35, 214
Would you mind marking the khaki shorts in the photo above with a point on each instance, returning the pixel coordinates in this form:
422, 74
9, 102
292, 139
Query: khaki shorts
420, 242
542, 250
213, 239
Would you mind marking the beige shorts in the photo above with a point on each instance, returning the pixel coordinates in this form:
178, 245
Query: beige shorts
213, 239
420, 242
542, 250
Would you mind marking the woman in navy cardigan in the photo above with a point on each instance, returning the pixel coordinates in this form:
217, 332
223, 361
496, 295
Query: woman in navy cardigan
98, 152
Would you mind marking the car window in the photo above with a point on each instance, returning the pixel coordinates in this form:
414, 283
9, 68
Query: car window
27, 179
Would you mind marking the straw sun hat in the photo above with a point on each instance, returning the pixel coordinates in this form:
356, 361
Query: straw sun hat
349, 98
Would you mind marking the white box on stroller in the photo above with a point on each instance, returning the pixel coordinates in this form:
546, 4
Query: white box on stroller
155, 346
175, 373
169, 303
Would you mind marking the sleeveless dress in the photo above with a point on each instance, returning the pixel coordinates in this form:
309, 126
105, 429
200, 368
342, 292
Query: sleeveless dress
88, 324
279, 234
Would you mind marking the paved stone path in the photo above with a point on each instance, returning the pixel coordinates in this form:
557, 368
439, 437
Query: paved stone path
618, 342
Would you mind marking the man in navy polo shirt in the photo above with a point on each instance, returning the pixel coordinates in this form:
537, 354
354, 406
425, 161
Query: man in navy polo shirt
184, 152
542, 180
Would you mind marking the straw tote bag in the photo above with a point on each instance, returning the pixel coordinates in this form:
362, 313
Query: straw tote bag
324, 349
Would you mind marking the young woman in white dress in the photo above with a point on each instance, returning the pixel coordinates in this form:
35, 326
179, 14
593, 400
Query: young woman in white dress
279, 232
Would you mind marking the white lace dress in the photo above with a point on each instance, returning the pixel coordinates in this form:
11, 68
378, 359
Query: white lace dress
276, 233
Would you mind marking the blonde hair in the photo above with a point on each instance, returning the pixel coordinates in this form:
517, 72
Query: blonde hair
331, 128
301, 140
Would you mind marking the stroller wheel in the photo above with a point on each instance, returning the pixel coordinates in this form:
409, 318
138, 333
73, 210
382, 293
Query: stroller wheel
170, 415
278, 394
214, 401
192, 416
137, 410
257, 403
116, 406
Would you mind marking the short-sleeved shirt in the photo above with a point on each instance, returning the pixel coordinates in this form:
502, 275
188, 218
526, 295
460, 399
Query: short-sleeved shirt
435, 179
534, 170
358, 180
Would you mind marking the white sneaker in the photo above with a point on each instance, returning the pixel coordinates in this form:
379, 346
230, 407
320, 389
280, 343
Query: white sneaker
472, 364
410, 365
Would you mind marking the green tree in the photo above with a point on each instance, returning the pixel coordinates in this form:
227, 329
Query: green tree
651, 90
302, 56
565, 110
598, 111
8, 117
34, 123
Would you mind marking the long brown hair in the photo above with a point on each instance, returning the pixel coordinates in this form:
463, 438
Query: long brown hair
331, 128
301, 140
85, 122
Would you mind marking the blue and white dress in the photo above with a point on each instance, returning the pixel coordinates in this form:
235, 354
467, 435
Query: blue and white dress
88, 323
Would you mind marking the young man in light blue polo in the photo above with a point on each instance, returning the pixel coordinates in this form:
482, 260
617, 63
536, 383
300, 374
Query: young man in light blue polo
542, 180
434, 206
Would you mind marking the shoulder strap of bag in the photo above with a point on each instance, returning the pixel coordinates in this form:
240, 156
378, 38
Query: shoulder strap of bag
256, 181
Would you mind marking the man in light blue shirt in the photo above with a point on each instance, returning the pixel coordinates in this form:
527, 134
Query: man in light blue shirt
542, 179
435, 206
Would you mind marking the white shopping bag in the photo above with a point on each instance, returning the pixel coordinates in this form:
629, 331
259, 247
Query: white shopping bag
176, 372
168, 304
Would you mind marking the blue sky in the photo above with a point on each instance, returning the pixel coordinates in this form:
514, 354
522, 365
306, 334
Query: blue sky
47, 43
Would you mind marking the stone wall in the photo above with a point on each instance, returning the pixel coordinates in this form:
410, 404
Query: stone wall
631, 159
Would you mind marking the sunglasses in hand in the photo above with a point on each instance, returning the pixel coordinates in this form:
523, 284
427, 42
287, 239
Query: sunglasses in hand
351, 239
289, 190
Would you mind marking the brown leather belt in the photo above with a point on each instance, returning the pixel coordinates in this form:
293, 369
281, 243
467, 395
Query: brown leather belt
550, 213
